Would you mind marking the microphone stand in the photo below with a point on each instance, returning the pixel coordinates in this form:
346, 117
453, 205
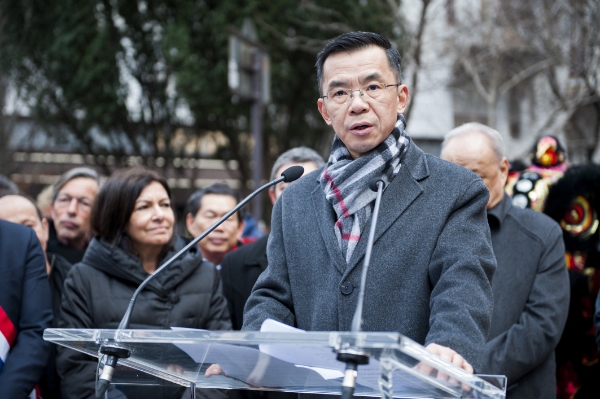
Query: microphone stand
115, 352
353, 356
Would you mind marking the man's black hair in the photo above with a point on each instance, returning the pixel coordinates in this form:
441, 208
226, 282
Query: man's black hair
349, 42
193, 203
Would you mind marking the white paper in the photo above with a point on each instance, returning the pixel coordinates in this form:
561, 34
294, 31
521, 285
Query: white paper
327, 374
319, 359
304, 355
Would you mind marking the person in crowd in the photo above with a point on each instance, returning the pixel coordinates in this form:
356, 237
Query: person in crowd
203, 209
72, 198
25, 312
252, 229
22, 210
242, 267
133, 220
432, 250
531, 285
19, 209
7, 186
574, 203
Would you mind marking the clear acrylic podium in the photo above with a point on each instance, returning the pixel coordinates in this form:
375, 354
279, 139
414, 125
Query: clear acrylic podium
293, 362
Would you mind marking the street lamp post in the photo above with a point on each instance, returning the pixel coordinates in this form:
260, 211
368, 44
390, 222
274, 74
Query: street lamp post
249, 79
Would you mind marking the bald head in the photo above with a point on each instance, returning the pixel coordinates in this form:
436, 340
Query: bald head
20, 210
481, 152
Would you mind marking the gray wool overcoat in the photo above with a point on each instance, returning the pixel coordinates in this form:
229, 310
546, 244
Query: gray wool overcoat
431, 266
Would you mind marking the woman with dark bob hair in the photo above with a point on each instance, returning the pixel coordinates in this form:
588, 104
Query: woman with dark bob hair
133, 223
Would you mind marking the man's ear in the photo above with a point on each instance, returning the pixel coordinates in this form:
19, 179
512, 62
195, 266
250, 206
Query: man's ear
403, 96
504, 168
323, 111
45, 227
272, 195
240, 230
189, 224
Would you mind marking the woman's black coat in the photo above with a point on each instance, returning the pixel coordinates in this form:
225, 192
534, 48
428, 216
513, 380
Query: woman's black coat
97, 291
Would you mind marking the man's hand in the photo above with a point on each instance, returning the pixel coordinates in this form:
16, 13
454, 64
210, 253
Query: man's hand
214, 369
451, 356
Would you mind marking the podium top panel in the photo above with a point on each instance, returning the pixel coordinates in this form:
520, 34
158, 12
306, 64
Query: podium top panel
282, 361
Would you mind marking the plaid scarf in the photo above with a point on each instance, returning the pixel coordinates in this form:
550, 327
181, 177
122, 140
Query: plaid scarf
345, 181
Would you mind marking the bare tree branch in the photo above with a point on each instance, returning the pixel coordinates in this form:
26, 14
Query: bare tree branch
524, 74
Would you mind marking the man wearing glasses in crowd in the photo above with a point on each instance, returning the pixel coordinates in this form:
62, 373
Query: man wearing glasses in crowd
73, 196
432, 260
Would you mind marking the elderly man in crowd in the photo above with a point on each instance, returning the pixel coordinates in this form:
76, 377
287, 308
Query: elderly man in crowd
432, 260
531, 285
72, 198
203, 209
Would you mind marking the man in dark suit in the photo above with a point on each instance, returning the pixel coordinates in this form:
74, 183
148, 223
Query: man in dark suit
241, 268
531, 285
432, 259
25, 311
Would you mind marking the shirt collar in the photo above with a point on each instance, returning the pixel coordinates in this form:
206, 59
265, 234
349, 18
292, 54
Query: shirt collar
497, 214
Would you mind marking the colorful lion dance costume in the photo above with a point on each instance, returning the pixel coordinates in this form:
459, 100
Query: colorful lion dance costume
574, 202
529, 187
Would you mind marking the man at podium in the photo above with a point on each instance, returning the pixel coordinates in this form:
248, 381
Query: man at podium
432, 259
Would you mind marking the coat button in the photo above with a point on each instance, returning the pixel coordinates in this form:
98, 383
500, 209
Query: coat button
346, 288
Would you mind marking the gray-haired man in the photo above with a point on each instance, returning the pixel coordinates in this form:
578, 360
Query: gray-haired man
242, 267
73, 196
530, 286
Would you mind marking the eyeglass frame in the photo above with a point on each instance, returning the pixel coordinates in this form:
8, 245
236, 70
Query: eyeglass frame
351, 96
64, 200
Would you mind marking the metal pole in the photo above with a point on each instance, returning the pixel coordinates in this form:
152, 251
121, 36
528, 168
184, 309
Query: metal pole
256, 121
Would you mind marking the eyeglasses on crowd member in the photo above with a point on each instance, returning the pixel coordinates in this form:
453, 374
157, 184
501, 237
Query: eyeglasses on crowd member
71, 202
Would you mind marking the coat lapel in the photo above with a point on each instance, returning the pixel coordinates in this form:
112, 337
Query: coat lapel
325, 219
397, 197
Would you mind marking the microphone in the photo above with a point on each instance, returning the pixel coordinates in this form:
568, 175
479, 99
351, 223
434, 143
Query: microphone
115, 352
353, 356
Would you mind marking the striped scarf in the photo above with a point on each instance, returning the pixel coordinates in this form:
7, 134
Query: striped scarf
8, 335
345, 182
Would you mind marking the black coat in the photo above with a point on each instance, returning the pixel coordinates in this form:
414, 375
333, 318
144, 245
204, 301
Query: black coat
59, 269
97, 292
239, 271
531, 300
24, 308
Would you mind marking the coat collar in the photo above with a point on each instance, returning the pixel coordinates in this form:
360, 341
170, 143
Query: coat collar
257, 253
325, 216
497, 214
123, 265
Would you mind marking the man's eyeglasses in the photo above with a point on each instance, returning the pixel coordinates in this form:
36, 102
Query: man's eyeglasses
342, 95
64, 200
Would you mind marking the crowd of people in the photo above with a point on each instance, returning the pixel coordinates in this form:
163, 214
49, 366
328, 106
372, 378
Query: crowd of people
457, 266
104, 237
